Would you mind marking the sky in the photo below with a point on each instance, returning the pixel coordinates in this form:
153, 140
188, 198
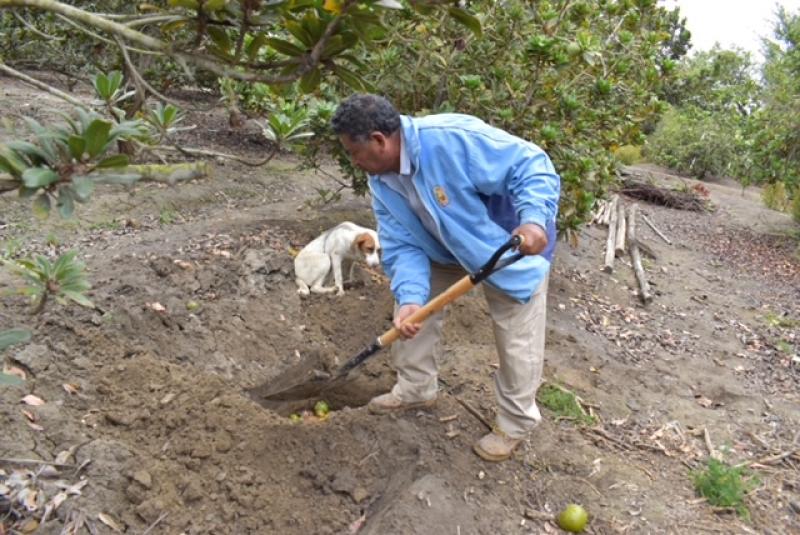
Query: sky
732, 23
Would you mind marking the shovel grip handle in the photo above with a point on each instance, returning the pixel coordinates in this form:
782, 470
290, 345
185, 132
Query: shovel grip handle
458, 289
433, 306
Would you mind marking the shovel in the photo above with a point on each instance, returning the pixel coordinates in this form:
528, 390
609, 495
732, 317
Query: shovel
315, 381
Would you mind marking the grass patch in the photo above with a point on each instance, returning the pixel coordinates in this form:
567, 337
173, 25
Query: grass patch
108, 224
774, 319
725, 486
168, 215
563, 403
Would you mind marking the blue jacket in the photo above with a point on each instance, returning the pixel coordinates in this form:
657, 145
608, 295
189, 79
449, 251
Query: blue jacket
478, 183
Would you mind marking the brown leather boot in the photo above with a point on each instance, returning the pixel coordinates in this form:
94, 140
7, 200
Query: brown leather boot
496, 446
389, 403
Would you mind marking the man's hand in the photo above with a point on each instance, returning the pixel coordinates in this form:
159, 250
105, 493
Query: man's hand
408, 330
534, 238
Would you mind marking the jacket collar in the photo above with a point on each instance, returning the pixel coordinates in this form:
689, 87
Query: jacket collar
410, 140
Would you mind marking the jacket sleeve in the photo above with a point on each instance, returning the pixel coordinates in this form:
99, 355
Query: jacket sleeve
502, 164
406, 264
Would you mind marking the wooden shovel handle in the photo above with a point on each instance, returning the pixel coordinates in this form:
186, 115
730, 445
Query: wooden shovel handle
432, 307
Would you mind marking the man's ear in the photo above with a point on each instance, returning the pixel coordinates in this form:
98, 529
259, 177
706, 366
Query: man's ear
379, 138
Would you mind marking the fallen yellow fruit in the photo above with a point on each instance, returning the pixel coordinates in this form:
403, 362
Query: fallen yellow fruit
573, 518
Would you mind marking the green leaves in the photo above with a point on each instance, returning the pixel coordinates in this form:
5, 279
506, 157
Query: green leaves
9, 338
108, 85
37, 177
287, 126
284, 47
466, 19
97, 136
13, 337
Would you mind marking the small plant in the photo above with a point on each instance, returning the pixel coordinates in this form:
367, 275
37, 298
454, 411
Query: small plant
109, 88
65, 279
564, 404
168, 215
724, 485
7, 339
164, 119
52, 240
287, 126
774, 196
326, 196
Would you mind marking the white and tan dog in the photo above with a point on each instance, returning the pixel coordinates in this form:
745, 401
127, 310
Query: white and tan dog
346, 243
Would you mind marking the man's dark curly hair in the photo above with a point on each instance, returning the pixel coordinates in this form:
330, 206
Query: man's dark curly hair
362, 114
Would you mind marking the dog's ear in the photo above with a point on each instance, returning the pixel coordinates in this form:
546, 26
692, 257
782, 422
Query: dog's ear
365, 243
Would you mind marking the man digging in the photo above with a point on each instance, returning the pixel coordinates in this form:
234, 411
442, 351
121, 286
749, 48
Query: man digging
447, 191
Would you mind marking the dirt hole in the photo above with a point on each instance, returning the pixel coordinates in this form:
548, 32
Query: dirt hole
307, 379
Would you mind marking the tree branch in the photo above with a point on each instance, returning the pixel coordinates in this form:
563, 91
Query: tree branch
41, 85
201, 152
92, 20
202, 61
36, 30
138, 78
100, 37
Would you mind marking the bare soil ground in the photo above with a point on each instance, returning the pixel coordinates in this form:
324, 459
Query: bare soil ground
167, 433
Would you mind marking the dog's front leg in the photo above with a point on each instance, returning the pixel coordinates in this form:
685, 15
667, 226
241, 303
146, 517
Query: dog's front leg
338, 282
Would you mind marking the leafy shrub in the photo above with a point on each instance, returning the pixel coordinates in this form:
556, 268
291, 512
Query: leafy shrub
774, 196
629, 154
576, 78
724, 485
695, 142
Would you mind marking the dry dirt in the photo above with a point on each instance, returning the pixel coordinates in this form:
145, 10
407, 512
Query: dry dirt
165, 407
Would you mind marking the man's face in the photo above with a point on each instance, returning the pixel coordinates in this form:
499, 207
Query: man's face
373, 155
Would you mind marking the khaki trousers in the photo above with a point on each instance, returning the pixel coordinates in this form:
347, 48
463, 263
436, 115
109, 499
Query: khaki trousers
519, 332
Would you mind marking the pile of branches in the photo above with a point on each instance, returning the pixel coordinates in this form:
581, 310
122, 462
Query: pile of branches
681, 200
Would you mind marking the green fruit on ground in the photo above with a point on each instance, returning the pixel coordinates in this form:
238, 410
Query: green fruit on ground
295, 417
573, 518
191, 306
321, 408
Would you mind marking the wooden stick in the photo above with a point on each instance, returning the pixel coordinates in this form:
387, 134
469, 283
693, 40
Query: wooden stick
769, 459
610, 207
158, 520
636, 259
652, 226
602, 206
608, 267
619, 242
473, 411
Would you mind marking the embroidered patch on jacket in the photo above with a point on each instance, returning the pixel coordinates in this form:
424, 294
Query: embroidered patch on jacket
441, 196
